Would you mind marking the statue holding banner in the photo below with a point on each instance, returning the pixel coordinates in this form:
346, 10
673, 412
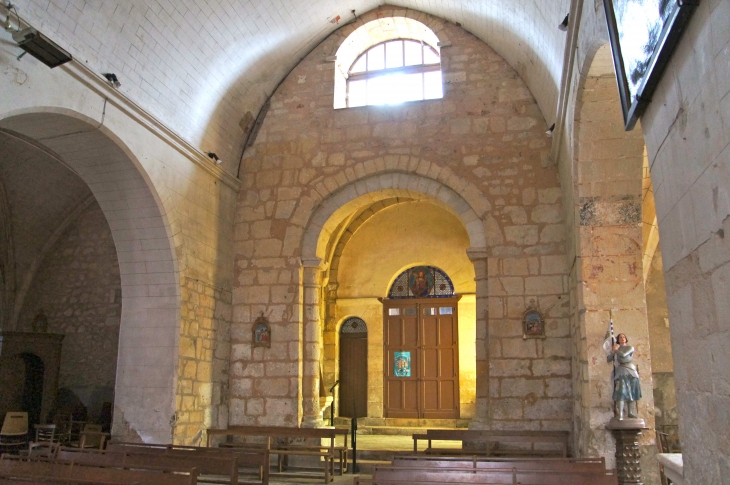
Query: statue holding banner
625, 376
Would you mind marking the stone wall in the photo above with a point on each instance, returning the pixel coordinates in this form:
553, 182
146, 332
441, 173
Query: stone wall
662, 362
608, 277
202, 396
78, 288
485, 140
170, 210
687, 135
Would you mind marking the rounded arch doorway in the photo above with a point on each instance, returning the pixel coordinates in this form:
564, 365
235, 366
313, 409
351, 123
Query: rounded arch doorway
421, 346
353, 401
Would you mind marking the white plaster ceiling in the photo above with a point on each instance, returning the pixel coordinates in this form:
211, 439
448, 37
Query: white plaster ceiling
199, 66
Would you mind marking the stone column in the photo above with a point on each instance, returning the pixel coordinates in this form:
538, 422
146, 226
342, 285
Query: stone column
312, 351
478, 256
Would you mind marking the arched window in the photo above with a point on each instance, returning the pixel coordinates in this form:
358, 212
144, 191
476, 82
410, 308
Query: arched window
422, 282
394, 72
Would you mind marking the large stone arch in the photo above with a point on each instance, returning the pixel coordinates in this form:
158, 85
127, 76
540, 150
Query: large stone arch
149, 333
348, 198
328, 215
607, 279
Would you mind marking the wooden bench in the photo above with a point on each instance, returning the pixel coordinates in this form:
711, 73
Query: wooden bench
57, 481
493, 438
328, 453
257, 458
495, 476
210, 465
475, 462
43, 470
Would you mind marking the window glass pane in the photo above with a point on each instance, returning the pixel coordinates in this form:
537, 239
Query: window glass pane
411, 312
446, 310
357, 93
432, 85
360, 65
430, 56
429, 311
394, 54
414, 53
393, 311
376, 58
410, 87
378, 90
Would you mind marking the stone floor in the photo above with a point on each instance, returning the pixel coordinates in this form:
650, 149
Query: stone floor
372, 449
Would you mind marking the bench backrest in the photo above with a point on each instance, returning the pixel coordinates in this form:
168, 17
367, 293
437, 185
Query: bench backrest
568, 464
490, 434
16, 467
209, 464
279, 432
499, 436
244, 457
382, 475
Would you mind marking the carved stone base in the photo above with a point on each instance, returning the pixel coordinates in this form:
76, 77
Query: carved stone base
628, 457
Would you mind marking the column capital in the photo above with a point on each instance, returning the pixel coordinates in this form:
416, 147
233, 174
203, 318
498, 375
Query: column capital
477, 254
314, 263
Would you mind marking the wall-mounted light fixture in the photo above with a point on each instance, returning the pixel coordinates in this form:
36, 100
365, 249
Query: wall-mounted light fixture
41, 47
212, 155
112, 78
549, 132
564, 24
8, 24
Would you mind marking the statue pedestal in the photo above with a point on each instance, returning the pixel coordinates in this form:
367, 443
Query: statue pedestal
628, 457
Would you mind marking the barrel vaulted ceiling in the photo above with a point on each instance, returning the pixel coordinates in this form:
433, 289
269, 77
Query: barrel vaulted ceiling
199, 66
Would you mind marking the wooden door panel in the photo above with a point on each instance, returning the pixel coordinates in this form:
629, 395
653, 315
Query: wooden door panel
430, 363
446, 359
419, 327
353, 392
430, 395
410, 332
430, 331
447, 336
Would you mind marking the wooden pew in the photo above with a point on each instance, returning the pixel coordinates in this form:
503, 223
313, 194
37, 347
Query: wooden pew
44, 470
327, 452
477, 462
257, 458
494, 476
558, 439
208, 464
56, 481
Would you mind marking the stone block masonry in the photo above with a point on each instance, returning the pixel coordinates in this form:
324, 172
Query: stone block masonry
78, 288
484, 141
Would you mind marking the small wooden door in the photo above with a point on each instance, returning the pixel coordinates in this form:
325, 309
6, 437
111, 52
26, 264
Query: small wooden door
421, 358
353, 368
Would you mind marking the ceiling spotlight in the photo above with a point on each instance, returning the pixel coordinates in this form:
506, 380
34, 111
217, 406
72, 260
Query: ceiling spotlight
564, 24
212, 155
112, 78
550, 130
41, 47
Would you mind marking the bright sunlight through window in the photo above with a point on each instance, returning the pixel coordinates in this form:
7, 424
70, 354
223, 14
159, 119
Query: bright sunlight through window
395, 72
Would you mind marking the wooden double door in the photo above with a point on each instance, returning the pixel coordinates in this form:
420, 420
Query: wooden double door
421, 358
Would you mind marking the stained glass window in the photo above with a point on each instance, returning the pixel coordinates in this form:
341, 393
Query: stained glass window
354, 325
422, 282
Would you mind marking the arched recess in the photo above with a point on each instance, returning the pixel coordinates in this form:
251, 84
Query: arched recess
612, 191
326, 225
149, 331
